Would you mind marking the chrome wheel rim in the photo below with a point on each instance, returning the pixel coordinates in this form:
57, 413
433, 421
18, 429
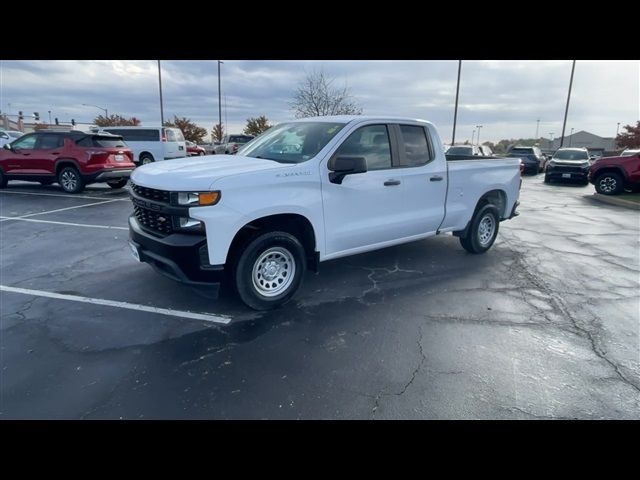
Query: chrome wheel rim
608, 184
273, 272
69, 180
486, 229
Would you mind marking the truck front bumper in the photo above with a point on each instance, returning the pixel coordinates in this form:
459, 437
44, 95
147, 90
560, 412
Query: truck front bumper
181, 257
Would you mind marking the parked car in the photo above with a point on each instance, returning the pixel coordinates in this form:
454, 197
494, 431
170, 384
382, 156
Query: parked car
303, 193
231, 143
194, 150
629, 152
568, 164
464, 150
8, 136
73, 159
152, 144
486, 150
532, 156
612, 175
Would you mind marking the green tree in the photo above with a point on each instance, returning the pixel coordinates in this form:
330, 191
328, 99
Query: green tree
316, 97
255, 126
116, 120
190, 130
217, 133
630, 138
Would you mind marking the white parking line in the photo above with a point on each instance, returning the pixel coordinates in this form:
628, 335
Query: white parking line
60, 209
63, 223
112, 303
56, 195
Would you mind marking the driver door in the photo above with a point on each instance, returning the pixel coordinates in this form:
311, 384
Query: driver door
16, 160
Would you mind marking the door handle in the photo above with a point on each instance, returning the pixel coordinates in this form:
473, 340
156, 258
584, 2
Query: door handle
390, 183
435, 178
55, 153
25, 154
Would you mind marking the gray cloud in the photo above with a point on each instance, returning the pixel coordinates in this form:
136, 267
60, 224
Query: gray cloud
506, 97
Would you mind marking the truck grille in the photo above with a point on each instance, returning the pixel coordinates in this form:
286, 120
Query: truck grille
155, 221
151, 193
567, 169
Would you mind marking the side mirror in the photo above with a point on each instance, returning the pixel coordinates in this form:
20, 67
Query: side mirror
342, 166
7, 146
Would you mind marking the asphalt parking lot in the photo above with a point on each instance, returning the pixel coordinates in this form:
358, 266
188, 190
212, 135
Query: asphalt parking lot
544, 325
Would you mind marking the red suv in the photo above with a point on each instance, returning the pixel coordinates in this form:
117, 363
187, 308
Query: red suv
612, 175
73, 159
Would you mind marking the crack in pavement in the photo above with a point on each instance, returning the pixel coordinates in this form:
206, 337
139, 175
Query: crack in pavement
414, 374
560, 309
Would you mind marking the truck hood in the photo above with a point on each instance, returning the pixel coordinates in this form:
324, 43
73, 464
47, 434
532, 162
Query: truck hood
197, 173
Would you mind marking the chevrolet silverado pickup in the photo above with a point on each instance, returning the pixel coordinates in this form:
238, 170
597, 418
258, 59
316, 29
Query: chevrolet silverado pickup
308, 191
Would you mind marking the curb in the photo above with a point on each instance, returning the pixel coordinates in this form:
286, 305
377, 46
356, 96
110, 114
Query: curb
616, 201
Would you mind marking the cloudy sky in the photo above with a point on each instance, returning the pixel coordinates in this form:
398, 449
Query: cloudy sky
506, 97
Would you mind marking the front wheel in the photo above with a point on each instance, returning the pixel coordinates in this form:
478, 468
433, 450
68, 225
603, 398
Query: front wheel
482, 231
70, 180
270, 270
118, 183
201, 154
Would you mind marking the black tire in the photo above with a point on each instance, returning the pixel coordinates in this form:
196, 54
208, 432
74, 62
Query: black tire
609, 183
3, 180
285, 253
474, 241
146, 158
200, 154
547, 179
70, 180
118, 183
585, 182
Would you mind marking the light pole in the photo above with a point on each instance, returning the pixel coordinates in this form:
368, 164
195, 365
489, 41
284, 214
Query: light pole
571, 137
615, 140
566, 110
551, 144
49, 117
219, 97
473, 135
455, 111
160, 86
478, 139
537, 127
106, 112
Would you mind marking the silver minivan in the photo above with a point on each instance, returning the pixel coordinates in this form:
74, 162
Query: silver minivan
152, 144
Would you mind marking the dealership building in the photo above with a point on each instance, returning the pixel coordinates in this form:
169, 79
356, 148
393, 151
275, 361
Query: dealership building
581, 139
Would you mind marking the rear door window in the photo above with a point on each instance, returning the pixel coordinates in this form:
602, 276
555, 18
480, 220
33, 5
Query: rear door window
49, 141
416, 147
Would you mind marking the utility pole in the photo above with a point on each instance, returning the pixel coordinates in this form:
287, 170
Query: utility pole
566, 110
537, 127
219, 95
49, 117
455, 112
571, 137
478, 139
473, 135
160, 85
551, 145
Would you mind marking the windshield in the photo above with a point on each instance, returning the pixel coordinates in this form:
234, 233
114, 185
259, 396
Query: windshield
629, 153
571, 155
460, 151
526, 151
292, 142
14, 134
240, 138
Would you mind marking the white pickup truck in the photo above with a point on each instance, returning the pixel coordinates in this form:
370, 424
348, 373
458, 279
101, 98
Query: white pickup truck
308, 191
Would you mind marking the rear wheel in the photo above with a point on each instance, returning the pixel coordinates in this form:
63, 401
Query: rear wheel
70, 180
269, 270
609, 183
483, 230
200, 154
3, 180
118, 183
146, 158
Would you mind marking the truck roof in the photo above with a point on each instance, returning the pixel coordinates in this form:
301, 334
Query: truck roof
351, 118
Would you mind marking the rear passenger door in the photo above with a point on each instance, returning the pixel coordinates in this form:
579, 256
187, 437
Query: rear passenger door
423, 180
48, 149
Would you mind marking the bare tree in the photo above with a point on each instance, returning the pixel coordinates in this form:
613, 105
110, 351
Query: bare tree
316, 97
217, 133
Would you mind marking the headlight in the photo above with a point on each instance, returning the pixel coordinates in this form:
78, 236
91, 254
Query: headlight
198, 198
551, 163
